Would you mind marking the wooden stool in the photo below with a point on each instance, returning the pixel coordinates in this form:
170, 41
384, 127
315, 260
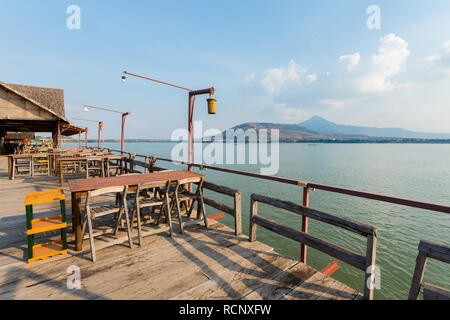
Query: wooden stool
34, 226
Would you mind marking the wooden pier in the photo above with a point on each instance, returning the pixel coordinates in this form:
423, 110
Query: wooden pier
199, 265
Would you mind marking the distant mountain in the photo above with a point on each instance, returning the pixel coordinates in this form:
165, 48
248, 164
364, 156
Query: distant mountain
319, 124
295, 132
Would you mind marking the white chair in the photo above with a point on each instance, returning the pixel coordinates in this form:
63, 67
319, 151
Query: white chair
96, 208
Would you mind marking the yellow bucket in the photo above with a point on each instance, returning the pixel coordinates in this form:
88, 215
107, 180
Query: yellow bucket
212, 106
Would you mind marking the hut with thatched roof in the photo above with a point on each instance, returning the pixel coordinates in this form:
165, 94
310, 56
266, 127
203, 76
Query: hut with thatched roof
26, 108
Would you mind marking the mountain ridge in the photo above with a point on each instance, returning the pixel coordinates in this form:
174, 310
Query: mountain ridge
320, 124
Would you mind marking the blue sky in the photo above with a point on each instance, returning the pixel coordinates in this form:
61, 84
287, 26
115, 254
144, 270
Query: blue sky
277, 61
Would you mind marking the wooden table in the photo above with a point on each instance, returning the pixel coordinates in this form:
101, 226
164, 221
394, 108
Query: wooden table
66, 160
106, 157
13, 157
79, 187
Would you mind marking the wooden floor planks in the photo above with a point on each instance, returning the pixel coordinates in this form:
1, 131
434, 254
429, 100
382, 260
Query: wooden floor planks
200, 264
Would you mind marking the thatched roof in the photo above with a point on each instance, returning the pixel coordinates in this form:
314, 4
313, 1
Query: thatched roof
49, 99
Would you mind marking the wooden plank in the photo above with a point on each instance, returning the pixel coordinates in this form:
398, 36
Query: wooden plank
241, 279
339, 291
333, 250
432, 292
281, 283
344, 223
107, 267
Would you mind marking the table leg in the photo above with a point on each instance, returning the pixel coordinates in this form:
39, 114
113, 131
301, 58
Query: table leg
61, 177
76, 220
10, 168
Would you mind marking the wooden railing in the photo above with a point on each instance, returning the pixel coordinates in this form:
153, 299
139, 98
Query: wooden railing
235, 211
427, 250
365, 263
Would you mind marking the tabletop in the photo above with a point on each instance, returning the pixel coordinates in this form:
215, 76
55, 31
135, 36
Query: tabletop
81, 185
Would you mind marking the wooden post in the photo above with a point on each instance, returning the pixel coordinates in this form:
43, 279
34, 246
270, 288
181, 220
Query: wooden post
303, 250
253, 213
419, 272
238, 213
370, 266
76, 220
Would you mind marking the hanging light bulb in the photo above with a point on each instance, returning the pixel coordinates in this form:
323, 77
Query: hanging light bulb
124, 79
85, 109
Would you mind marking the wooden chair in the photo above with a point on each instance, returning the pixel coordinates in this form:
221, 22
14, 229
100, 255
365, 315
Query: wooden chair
94, 167
92, 212
113, 165
22, 166
427, 250
181, 194
147, 197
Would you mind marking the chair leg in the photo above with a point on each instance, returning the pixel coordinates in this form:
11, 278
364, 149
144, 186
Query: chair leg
138, 211
130, 241
119, 220
179, 214
91, 237
205, 218
169, 217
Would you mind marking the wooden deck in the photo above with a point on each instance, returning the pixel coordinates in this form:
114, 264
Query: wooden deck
199, 265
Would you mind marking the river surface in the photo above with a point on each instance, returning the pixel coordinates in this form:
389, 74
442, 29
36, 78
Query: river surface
415, 171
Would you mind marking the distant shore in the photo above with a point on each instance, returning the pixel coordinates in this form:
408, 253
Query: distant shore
321, 141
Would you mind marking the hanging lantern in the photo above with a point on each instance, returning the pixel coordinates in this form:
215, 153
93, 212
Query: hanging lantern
212, 106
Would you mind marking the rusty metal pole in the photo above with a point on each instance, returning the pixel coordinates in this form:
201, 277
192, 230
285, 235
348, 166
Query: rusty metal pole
191, 132
99, 130
122, 141
85, 137
303, 250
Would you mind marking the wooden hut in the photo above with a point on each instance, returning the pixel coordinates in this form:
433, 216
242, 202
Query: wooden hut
34, 109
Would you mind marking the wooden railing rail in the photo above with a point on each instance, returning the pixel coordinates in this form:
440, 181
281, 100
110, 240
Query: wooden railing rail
428, 249
235, 211
365, 263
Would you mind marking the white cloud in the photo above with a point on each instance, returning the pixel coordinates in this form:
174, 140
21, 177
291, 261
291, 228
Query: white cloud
312, 78
291, 114
392, 55
352, 60
439, 63
275, 79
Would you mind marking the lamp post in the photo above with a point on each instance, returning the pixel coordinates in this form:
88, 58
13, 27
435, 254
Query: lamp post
100, 128
124, 114
192, 95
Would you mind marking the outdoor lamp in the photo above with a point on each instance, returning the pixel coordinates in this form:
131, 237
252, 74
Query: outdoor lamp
212, 106
85, 109
124, 79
